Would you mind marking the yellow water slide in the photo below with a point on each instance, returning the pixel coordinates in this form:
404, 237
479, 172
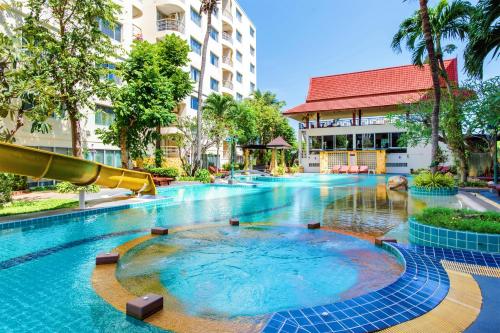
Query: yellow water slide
39, 164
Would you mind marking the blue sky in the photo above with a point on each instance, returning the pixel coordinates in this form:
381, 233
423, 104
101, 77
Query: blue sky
298, 39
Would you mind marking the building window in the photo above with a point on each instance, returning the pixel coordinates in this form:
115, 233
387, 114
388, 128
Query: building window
195, 46
252, 32
195, 74
365, 141
194, 103
114, 32
214, 84
239, 36
239, 56
252, 68
238, 15
104, 115
214, 60
328, 142
343, 142
110, 73
382, 140
252, 87
239, 97
239, 77
252, 50
195, 17
214, 34
396, 140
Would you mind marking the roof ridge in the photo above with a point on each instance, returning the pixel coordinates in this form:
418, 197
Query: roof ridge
375, 70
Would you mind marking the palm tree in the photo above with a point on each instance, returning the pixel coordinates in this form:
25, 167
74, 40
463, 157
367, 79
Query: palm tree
268, 98
447, 21
484, 36
207, 7
217, 108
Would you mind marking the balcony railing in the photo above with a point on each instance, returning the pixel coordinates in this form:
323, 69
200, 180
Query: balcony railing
170, 24
136, 32
227, 13
227, 84
227, 61
347, 122
227, 37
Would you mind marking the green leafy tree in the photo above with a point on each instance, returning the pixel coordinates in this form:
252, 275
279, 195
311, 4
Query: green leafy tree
72, 51
144, 102
484, 36
207, 8
446, 21
24, 94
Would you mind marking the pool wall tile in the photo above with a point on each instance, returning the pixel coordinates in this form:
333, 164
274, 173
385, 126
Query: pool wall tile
421, 234
422, 191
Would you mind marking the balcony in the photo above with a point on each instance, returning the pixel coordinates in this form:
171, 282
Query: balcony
227, 84
227, 37
227, 61
347, 122
136, 32
170, 25
226, 12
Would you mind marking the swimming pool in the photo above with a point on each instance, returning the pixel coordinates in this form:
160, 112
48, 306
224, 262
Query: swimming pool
45, 269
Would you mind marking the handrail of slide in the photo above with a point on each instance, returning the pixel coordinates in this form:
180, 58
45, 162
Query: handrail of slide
39, 164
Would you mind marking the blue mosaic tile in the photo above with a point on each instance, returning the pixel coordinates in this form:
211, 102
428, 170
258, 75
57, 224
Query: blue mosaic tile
423, 285
422, 191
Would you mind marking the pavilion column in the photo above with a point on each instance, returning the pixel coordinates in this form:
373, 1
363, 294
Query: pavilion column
359, 117
283, 158
353, 118
317, 120
273, 161
300, 146
246, 158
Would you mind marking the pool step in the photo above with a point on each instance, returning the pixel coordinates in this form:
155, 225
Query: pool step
314, 225
159, 231
107, 258
234, 222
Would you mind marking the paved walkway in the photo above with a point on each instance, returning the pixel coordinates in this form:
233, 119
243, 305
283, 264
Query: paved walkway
488, 319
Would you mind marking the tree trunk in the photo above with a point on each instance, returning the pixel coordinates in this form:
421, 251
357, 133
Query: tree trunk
158, 146
76, 135
123, 147
217, 164
197, 160
429, 43
19, 123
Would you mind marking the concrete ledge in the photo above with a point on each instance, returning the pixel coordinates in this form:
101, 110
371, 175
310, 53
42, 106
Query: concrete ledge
380, 240
107, 258
145, 306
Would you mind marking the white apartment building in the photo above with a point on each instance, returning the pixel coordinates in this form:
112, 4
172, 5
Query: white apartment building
231, 65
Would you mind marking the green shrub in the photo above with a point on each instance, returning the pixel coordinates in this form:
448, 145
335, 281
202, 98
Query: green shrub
237, 166
19, 183
294, 169
461, 219
434, 180
43, 188
279, 171
202, 175
5, 188
474, 183
164, 172
186, 179
67, 187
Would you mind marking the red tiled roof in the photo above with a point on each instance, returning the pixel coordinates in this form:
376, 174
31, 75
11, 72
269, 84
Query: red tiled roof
374, 88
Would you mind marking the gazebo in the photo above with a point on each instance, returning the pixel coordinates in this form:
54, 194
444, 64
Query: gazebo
275, 144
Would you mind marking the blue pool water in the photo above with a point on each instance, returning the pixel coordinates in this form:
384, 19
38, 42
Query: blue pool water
45, 270
253, 270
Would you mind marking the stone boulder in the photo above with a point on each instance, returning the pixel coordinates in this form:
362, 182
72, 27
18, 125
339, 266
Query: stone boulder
397, 183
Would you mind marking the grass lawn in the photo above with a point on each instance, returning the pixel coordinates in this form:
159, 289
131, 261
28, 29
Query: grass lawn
461, 219
32, 206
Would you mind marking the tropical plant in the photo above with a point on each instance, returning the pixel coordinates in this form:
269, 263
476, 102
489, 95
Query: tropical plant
67, 187
430, 180
170, 172
484, 37
207, 8
443, 22
5, 188
144, 103
202, 175
73, 54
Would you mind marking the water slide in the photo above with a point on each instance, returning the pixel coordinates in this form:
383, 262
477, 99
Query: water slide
39, 164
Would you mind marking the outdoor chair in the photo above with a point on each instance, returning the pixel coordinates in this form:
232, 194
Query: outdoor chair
336, 169
344, 169
353, 169
363, 169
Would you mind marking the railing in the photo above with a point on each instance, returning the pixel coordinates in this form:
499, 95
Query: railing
347, 122
227, 13
136, 32
227, 61
227, 84
170, 24
227, 36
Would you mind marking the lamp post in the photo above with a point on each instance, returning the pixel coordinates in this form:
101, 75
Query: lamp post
494, 130
232, 139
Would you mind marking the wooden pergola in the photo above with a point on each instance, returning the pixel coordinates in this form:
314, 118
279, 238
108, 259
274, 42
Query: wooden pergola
275, 144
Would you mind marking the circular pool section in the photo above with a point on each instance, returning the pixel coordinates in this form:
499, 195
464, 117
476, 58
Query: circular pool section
228, 272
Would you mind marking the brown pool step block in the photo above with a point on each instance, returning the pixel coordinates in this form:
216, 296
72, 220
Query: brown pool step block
234, 222
145, 306
380, 240
159, 231
107, 258
314, 225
